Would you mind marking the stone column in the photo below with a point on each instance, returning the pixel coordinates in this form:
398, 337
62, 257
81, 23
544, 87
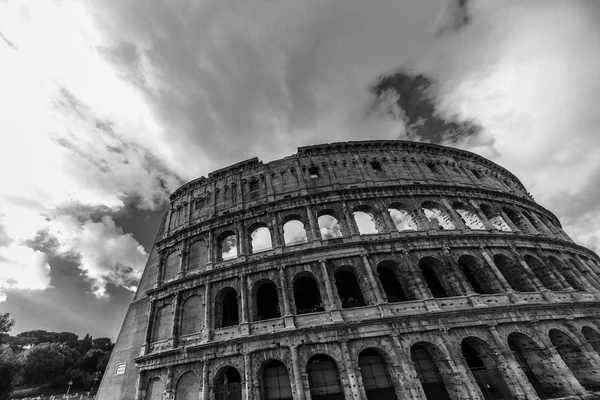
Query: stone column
532, 277
515, 376
410, 385
422, 219
350, 220
336, 315
372, 281
287, 309
207, 320
508, 221
585, 276
419, 283
276, 240
456, 218
205, 384
247, 377
486, 222
210, 250
590, 352
459, 373
501, 279
176, 320
244, 326
241, 238
350, 371
297, 372
456, 273
314, 226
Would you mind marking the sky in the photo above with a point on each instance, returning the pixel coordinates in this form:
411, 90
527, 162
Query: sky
110, 106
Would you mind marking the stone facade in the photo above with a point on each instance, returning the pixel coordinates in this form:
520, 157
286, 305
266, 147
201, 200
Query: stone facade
461, 287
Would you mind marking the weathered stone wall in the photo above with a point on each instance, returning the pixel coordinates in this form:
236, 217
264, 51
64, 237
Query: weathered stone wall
467, 284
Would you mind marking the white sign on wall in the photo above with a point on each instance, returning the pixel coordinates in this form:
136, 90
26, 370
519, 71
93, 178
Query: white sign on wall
121, 369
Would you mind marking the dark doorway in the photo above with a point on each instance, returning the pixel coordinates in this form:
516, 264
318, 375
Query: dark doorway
307, 295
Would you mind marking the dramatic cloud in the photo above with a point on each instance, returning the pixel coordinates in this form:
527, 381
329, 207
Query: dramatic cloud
22, 268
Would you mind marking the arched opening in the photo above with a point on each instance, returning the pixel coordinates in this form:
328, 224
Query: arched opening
294, 232
228, 385
593, 338
329, 227
543, 273
348, 289
226, 309
391, 285
365, 223
516, 219
432, 270
428, 373
171, 266
324, 379
188, 387
403, 219
375, 376
514, 273
567, 272
155, 389
533, 222
163, 324
307, 295
480, 278
198, 255
535, 365
276, 381
576, 359
190, 316
267, 302
495, 218
468, 217
227, 246
437, 216
261, 239
479, 358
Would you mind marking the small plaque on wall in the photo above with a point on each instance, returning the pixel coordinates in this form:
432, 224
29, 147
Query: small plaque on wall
121, 369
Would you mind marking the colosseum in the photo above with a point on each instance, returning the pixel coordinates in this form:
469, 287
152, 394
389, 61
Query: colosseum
367, 270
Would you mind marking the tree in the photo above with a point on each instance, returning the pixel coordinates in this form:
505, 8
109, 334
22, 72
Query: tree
103, 343
9, 367
6, 323
43, 362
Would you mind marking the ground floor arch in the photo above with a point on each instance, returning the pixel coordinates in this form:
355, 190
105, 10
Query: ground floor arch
228, 384
576, 358
427, 361
484, 367
276, 381
376, 378
324, 379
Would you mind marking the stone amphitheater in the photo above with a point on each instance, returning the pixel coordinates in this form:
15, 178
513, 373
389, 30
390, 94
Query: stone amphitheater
367, 270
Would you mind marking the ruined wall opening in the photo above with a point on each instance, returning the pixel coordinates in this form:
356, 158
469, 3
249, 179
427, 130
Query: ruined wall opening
514, 273
592, 337
567, 272
404, 220
535, 364
226, 308
329, 226
543, 273
375, 376
190, 315
227, 246
307, 296
438, 217
294, 232
163, 324
188, 387
468, 216
267, 302
198, 255
155, 389
324, 379
228, 385
260, 239
517, 220
171, 265
495, 218
276, 381
481, 279
365, 222
434, 273
484, 367
576, 359
428, 373
391, 285
348, 289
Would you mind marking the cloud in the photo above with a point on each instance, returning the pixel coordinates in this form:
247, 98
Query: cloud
105, 254
529, 74
22, 268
